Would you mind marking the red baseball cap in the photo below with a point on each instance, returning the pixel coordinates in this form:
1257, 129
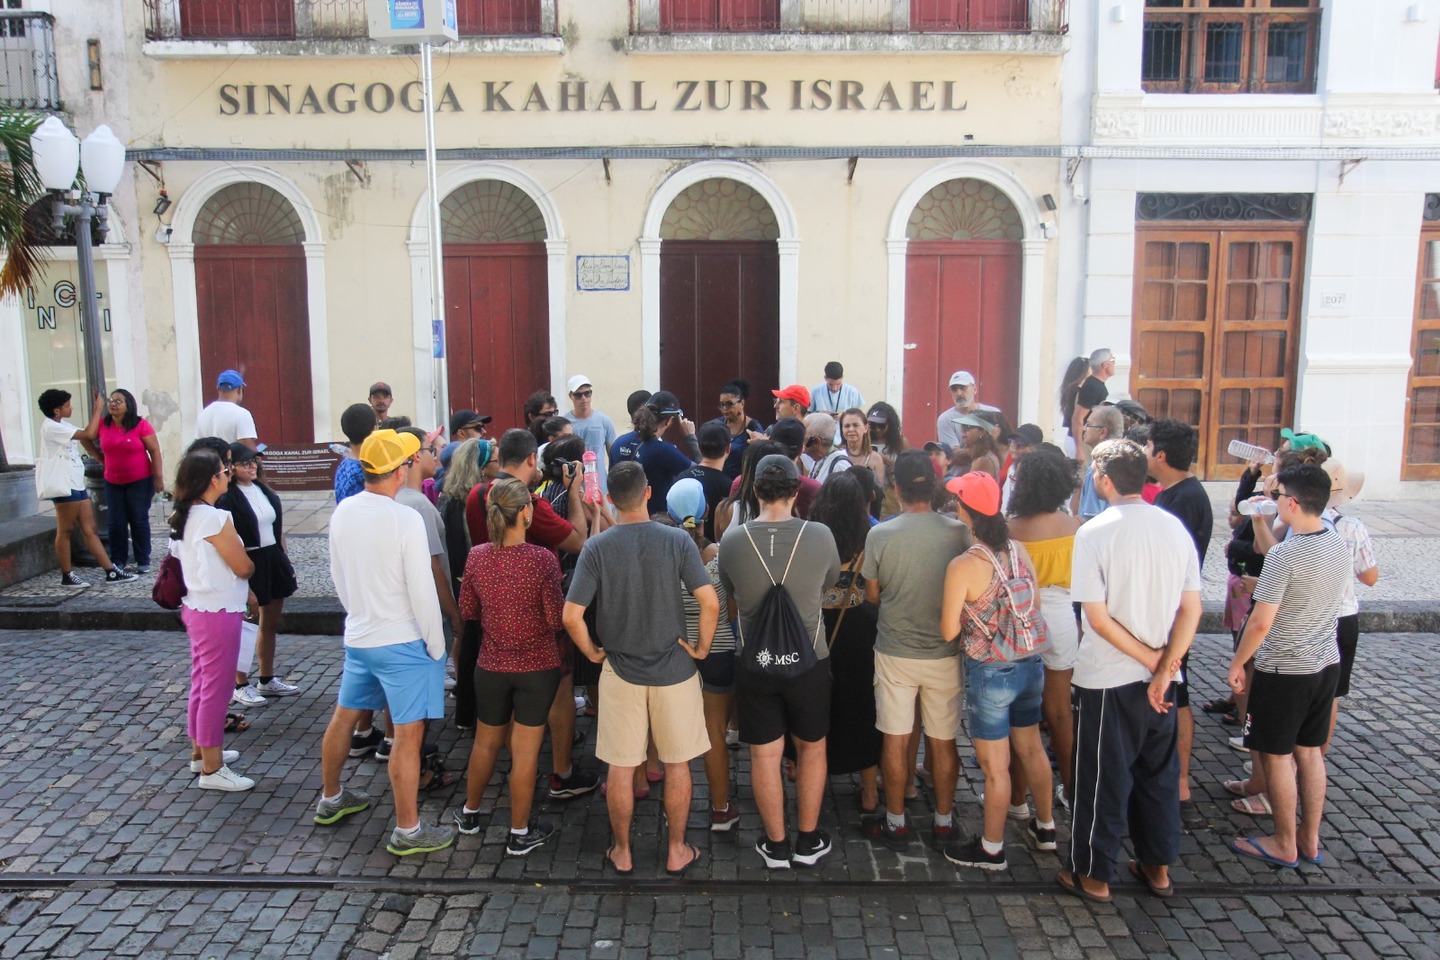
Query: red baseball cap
796, 392
978, 491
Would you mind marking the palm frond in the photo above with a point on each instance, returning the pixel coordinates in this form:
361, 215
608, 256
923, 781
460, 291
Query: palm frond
20, 187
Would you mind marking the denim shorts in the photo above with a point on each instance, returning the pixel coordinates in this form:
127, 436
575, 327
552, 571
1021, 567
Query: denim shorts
1000, 696
75, 496
401, 676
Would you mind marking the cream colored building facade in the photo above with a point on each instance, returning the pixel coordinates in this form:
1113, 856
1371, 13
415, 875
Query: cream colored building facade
592, 132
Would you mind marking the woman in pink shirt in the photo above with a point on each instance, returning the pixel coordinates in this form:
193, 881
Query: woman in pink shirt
134, 474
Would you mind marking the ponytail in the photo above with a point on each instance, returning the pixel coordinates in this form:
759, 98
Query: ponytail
504, 502
646, 423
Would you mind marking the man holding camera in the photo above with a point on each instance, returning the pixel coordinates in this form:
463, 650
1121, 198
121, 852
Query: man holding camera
517, 458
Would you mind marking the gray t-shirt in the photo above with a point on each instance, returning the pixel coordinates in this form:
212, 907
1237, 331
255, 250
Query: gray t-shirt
634, 572
434, 526
743, 570
598, 432
907, 555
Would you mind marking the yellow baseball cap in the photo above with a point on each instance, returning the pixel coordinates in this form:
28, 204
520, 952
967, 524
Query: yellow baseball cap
384, 450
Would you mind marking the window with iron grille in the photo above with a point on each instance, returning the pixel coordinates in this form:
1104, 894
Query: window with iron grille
719, 16
1230, 46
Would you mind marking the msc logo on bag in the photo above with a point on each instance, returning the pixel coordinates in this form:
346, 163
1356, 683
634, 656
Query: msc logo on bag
764, 658
788, 651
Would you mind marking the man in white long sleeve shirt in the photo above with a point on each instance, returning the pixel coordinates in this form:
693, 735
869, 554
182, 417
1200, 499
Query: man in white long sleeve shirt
394, 639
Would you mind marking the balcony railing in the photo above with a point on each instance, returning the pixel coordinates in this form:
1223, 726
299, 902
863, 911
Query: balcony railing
848, 16
28, 79
1270, 50
329, 19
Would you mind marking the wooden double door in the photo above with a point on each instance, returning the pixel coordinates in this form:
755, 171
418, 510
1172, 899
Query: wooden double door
1215, 337
497, 327
252, 305
962, 312
719, 319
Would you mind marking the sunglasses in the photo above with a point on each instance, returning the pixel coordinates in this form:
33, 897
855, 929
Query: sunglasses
727, 404
408, 463
582, 394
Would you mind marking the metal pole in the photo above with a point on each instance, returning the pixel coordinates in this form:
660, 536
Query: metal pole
89, 308
437, 275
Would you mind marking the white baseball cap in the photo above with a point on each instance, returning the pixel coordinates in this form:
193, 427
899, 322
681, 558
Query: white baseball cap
578, 381
962, 378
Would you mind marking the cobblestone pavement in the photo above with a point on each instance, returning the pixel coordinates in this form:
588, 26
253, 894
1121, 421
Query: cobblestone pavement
106, 850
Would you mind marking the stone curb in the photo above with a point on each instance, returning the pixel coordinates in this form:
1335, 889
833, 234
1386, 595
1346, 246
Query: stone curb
323, 616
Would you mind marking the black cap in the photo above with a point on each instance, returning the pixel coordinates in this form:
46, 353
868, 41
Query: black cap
1028, 434
789, 432
774, 466
461, 419
240, 453
664, 403
834, 371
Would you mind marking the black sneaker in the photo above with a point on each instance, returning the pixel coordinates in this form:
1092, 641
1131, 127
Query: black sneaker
466, 822
942, 837
383, 748
360, 745
876, 828
1042, 838
808, 854
776, 855
540, 831
70, 580
971, 853
116, 575
577, 784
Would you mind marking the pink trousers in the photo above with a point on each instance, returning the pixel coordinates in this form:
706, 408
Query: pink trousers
214, 651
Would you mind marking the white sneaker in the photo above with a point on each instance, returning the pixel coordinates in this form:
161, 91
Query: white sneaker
275, 687
224, 779
248, 696
1238, 743
226, 757
450, 682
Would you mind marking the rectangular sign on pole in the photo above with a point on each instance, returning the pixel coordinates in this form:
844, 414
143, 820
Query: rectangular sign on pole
412, 21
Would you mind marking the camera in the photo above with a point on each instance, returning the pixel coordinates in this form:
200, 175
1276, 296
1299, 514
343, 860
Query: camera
558, 470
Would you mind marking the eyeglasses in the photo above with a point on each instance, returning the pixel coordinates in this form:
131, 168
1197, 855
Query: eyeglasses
225, 471
408, 463
727, 404
552, 412
1277, 494
117, 401
582, 394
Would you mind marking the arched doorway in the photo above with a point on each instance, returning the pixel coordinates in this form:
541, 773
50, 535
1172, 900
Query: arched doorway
962, 299
497, 309
252, 306
719, 293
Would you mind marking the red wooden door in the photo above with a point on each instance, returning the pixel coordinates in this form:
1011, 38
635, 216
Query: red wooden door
497, 327
962, 312
491, 18
970, 15
719, 15
253, 316
719, 319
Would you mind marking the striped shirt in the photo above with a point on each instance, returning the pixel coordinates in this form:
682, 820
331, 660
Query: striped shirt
1305, 577
1362, 553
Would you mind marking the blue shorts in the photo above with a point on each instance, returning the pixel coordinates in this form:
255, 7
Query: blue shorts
401, 676
717, 672
76, 496
1001, 696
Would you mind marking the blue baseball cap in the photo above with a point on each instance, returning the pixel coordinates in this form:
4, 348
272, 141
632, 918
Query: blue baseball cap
686, 502
229, 380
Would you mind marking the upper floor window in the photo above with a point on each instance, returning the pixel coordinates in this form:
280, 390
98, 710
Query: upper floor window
325, 19
1230, 46
719, 16
963, 16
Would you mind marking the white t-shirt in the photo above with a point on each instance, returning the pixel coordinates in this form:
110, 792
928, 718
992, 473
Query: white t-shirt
947, 430
210, 585
57, 439
264, 513
380, 562
1137, 559
226, 420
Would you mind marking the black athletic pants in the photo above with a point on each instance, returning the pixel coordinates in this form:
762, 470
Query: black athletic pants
1127, 771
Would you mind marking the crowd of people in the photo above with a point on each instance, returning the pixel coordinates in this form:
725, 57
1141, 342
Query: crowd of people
820, 591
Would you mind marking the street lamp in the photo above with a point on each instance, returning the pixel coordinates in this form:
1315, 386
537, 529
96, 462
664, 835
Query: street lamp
58, 155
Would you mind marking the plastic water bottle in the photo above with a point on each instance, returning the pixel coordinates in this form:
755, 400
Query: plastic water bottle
1256, 506
592, 477
1249, 452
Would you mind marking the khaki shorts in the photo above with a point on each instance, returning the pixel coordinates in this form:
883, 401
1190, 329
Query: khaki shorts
630, 714
900, 680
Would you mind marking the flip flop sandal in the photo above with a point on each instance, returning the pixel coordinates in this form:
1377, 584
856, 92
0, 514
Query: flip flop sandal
609, 864
440, 778
1231, 719
1256, 805
1218, 706
236, 723
1316, 860
1237, 787
1072, 883
694, 859
1139, 873
1248, 847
